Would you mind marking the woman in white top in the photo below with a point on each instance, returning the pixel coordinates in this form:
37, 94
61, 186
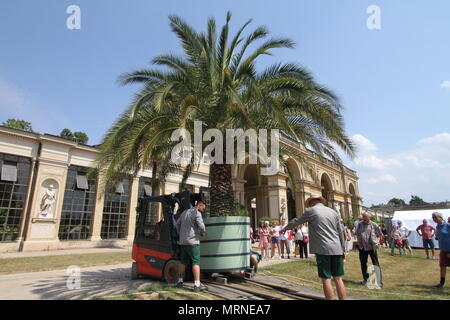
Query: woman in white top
347, 237
302, 240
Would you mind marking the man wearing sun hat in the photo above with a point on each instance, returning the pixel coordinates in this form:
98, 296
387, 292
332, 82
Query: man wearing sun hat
326, 242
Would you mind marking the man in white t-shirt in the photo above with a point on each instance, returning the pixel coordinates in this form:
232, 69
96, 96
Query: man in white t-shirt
406, 232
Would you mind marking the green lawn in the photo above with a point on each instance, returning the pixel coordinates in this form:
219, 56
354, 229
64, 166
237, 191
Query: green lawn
404, 277
31, 264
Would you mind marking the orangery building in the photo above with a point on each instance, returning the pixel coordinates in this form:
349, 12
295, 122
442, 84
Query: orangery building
48, 202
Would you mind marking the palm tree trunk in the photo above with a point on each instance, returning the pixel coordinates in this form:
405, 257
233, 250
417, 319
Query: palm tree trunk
221, 191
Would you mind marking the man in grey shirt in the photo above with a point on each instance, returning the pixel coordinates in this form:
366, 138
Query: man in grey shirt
190, 227
326, 242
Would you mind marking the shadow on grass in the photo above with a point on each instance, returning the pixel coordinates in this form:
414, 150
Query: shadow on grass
93, 284
353, 282
433, 290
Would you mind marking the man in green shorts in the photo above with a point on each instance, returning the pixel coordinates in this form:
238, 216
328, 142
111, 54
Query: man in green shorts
190, 227
326, 242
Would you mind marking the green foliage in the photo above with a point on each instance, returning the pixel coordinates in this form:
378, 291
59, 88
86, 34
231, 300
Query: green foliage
77, 136
350, 222
66, 133
216, 81
416, 201
18, 124
81, 137
266, 219
241, 210
374, 218
396, 202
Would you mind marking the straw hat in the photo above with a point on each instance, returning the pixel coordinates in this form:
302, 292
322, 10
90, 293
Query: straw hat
321, 199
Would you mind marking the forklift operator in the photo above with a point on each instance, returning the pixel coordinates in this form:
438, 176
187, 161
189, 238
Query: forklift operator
190, 226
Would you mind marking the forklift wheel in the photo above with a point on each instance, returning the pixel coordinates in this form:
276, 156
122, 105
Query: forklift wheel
134, 274
171, 272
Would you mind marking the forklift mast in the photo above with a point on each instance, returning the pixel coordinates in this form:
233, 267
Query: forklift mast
184, 199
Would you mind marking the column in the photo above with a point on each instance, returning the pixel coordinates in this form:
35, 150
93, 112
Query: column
132, 205
239, 192
26, 217
277, 196
261, 202
299, 199
98, 210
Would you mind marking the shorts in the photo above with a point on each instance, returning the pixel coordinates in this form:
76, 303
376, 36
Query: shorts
428, 243
258, 256
405, 242
190, 255
275, 240
444, 260
330, 266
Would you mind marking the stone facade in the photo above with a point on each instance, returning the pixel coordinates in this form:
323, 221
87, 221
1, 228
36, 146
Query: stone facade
51, 157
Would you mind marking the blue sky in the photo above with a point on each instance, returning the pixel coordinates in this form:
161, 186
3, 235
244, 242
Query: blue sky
391, 81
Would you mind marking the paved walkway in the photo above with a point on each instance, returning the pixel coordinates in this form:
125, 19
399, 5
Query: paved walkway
52, 285
60, 252
94, 281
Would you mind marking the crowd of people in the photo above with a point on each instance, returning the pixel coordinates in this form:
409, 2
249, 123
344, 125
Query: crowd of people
322, 230
331, 240
276, 239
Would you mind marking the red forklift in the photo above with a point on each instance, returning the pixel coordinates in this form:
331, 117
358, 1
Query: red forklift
155, 247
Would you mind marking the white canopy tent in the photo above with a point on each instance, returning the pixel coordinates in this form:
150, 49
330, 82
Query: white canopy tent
414, 218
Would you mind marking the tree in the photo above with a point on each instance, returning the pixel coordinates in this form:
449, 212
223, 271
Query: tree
77, 136
416, 201
350, 221
66, 133
80, 137
18, 124
395, 202
217, 82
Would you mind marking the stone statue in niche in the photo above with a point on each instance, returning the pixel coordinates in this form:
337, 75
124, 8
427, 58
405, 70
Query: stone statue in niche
283, 215
338, 208
48, 202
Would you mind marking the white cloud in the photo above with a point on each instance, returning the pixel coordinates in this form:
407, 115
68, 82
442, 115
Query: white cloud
384, 178
370, 162
363, 143
388, 178
445, 84
375, 162
441, 138
423, 170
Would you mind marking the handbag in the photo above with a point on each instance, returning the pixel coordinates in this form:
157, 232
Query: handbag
305, 239
399, 242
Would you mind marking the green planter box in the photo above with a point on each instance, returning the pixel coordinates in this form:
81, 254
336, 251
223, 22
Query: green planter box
226, 246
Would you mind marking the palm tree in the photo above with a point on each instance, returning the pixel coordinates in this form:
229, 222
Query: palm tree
216, 81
